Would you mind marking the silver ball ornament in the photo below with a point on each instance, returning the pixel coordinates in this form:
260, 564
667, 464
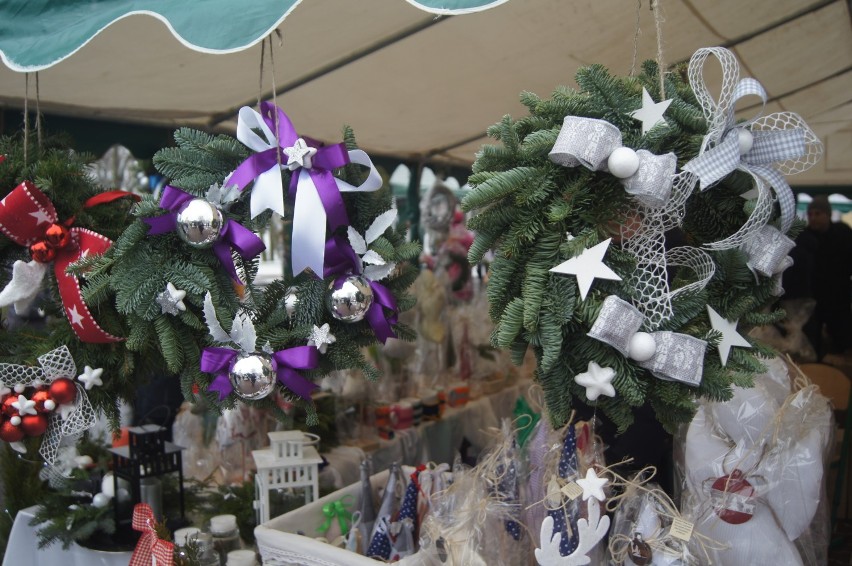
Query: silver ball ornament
253, 375
199, 223
350, 298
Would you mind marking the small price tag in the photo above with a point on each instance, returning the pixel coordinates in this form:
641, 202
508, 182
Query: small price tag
572, 491
682, 529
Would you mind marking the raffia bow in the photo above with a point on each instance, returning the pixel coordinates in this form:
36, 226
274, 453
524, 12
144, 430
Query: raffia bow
54, 364
318, 192
781, 144
678, 357
150, 549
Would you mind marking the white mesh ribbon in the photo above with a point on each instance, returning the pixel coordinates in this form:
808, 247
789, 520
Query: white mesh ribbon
54, 364
678, 357
660, 195
763, 147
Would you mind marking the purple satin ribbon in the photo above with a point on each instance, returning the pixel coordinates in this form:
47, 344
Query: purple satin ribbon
285, 362
341, 258
323, 163
233, 235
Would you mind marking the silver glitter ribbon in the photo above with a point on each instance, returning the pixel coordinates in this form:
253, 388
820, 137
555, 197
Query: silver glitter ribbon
589, 142
54, 364
678, 357
767, 251
782, 143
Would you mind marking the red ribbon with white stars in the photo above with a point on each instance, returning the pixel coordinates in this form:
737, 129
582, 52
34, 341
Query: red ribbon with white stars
28, 217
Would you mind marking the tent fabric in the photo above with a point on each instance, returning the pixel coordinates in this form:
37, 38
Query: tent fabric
412, 81
37, 34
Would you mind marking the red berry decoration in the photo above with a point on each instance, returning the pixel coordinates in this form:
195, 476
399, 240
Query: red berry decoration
8, 409
34, 425
10, 433
733, 498
44, 403
63, 391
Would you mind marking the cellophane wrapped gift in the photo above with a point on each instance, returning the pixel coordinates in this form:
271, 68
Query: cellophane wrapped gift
754, 471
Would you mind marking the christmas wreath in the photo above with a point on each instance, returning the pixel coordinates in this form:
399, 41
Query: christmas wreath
170, 288
671, 220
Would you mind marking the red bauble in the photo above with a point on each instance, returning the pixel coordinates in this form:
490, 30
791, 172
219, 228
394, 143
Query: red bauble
34, 425
63, 391
733, 498
44, 403
57, 236
10, 432
42, 252
8, 409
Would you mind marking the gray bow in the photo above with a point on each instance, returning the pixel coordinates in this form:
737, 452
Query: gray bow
678, 357
589, 142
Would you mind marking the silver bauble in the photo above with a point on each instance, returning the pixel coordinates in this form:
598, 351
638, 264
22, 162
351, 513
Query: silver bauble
199, 223
291, 301
350, 298
253, 375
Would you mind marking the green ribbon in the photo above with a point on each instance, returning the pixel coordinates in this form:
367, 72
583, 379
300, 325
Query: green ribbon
523, 409
337, 509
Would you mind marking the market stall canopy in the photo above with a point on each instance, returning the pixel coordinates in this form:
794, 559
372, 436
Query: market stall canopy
420, 80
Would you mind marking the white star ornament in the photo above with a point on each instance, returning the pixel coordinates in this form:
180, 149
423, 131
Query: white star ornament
587, 266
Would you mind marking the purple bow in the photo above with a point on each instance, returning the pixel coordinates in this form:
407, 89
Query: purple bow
233, 234
323, 163
285, 362
340, 258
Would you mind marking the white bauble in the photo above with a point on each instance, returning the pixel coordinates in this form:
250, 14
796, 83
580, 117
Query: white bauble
642, 347
623, 162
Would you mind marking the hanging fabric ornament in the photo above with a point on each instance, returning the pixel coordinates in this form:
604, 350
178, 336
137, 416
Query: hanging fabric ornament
349, 298
317, 191
28, 217
199, 226
733, 498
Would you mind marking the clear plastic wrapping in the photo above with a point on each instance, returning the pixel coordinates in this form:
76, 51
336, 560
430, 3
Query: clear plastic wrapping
754, 472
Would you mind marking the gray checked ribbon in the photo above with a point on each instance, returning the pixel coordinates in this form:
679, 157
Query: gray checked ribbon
781, 143
589, 142
678, 357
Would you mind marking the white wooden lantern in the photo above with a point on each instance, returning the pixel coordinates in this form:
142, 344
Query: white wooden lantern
286, 464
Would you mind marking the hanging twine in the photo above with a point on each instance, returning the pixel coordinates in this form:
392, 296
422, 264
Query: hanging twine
658, 24
26, 116
636, 33
38, 113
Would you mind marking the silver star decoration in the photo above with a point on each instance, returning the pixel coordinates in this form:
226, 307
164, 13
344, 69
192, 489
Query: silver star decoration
90, 377
651, 112
299, 155
24, 406
171, 300
597, 381
592, 485
321, 337
730, 336
587, 266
